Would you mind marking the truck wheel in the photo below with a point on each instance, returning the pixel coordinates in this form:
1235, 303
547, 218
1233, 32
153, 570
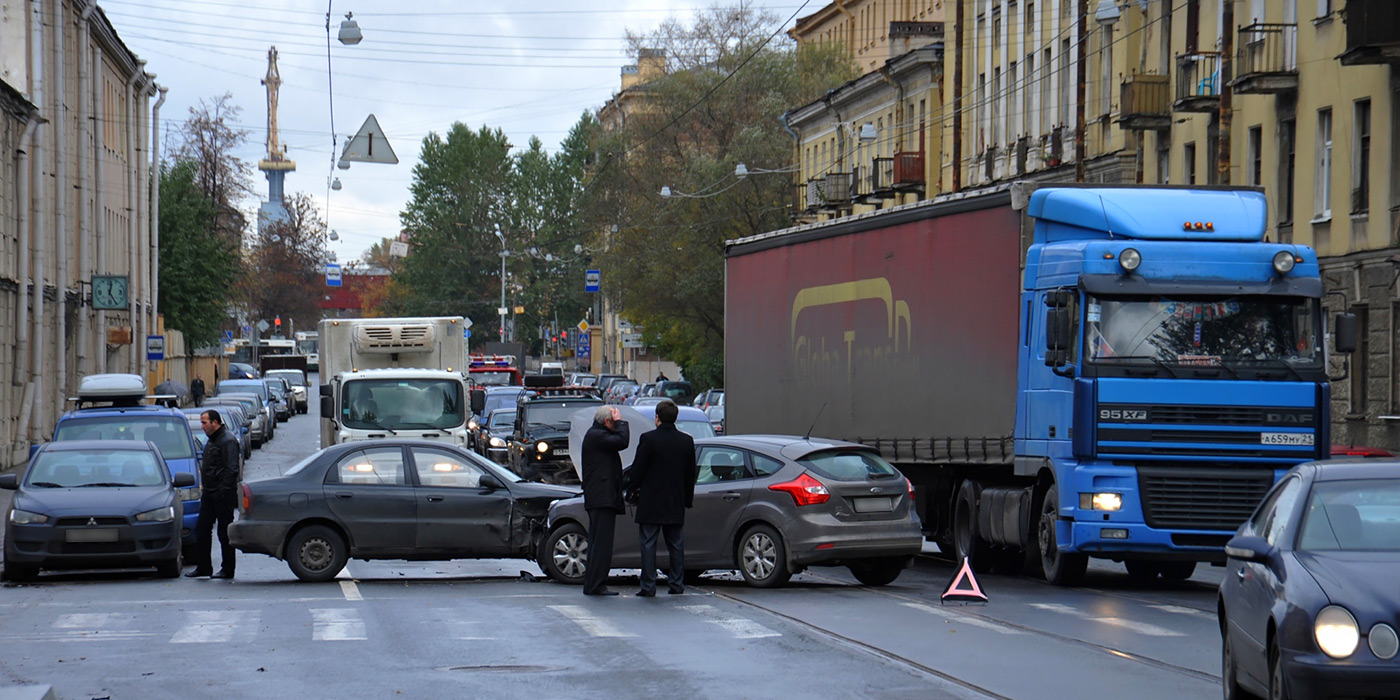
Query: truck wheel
878, 572
317, 553
966, 542
1142, 571
762, 557
564, 554
1061, 568
1178, 570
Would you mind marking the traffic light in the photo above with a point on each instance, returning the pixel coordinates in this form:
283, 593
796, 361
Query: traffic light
277, 322
564, 335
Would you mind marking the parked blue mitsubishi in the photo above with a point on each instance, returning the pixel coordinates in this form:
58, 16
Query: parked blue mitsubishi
110, 408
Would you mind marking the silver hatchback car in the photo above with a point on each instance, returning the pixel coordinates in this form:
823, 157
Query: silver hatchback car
768, 506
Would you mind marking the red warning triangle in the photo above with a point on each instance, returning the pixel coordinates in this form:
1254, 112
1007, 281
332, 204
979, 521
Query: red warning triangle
964, 586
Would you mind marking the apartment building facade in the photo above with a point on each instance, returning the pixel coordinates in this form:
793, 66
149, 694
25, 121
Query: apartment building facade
78, 257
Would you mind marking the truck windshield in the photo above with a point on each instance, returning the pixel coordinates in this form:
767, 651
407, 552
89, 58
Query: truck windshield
1203, 331
402, 403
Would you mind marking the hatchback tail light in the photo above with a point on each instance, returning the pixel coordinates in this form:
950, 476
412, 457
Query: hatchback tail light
247, 500
805, 490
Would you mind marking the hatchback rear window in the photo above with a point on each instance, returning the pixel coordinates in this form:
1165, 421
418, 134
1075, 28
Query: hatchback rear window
849, 465
170, 434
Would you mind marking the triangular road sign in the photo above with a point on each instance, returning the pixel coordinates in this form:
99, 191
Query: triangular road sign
369, 145
956, 590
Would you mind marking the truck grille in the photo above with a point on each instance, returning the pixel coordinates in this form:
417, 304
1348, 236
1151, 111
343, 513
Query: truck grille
1200, 499
1154, 429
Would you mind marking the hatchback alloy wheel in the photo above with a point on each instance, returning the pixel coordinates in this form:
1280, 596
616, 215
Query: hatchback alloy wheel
762, 558
564, 554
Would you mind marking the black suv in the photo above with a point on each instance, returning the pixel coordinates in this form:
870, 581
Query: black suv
538, 447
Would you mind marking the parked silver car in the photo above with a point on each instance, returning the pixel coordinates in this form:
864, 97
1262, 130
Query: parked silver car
769, 506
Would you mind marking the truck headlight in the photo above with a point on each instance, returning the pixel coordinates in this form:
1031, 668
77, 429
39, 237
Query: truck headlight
24, 517
1130, 259
1336, 632
497, 442
1101, 501
541, 446
471, 424
159, 515
1283, 262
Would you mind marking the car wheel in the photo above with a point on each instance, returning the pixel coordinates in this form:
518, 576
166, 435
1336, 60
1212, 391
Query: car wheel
564, 554
170, 568
762, 557
19, 572
257, 444
966, 543
316, 553
1278, 684
878, 572
1230, 670
1061, 568
1141, 570
1178, 570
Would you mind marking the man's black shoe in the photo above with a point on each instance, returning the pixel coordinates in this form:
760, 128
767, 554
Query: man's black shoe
675, 591
646, 594
605, 591
221, 574
197, 574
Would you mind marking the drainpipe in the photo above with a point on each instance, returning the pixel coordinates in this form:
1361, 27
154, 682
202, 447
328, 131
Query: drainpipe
132, 264
141, 110
796, 158
22, 209
961, 26
99, 204
37, 239
60, 220
154, 179
84, 365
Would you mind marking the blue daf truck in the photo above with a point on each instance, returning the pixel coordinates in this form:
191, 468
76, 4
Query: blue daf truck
1073, 372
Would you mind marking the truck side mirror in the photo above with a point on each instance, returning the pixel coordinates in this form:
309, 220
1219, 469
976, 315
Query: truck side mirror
1057, 328
326, 390
478, 401
1058, 299
1345, 338
328, 406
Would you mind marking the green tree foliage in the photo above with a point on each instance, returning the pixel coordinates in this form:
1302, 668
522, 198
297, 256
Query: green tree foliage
197, 269
719, 103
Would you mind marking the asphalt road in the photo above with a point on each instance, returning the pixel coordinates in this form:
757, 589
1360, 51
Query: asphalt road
494, 629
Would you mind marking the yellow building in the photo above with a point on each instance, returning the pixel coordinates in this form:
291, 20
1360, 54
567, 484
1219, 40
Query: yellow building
863, 27
1298, 97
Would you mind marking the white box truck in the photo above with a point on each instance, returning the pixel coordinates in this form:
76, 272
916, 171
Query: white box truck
393, 377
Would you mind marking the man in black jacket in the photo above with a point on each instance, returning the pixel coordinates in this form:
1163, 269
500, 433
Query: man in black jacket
602, 493
220, 474
663, 477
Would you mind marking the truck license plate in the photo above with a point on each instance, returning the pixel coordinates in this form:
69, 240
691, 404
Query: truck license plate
1285, 438
106, 534
880, 504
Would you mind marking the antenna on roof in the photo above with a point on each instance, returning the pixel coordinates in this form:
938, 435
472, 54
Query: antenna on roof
808, 436
1106, 225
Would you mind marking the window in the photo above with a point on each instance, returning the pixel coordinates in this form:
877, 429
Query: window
1276, 514
998, 129
1164, 160
1106, 69
849, 465
1046, 100
440, 468
1361, 158
380, 466
1066, 87
1360, 378
1256, 157
1324, 8
1188, 164
1288, 148
1322, 197
766, 466
721, 464
1212, 158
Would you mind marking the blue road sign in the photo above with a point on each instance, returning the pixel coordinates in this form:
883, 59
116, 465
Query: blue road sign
585, 346
155, 347
590, 280
228, 336
332, 274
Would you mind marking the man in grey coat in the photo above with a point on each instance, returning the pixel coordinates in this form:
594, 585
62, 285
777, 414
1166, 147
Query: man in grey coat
663, 478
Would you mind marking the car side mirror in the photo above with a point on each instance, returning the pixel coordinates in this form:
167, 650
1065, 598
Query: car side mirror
1345, 339
184, 480
9, 482
1251, 548
243, 430
490, 483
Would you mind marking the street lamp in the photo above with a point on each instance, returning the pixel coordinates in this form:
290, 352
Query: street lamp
502, 309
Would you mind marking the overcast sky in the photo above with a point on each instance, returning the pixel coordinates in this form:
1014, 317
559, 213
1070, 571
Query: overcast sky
530, 69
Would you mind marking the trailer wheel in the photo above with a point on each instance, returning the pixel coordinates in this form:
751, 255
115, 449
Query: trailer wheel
1061, 568
967, 544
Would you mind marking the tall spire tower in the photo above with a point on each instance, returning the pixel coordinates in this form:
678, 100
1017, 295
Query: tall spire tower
275, 165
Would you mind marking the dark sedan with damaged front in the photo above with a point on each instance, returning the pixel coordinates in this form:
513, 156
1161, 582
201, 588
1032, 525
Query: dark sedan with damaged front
391, 499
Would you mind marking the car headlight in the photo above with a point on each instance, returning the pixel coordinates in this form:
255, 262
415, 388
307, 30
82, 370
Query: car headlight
541, 446
159, 515
191, 493
1336, 632
497, 442
24, 517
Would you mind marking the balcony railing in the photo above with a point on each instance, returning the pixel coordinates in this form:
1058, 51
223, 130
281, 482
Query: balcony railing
815, 197
881, 176
1266, 60
1373, 32
1146, 102
908, 168
839, 188
1197, 82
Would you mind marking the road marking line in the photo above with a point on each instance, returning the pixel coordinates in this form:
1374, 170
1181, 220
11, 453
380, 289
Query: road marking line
337, 625
741, 628
1180, 610
213, 626
352, 591
81, 636
963, 619
594, 626
1139, 627
91, 620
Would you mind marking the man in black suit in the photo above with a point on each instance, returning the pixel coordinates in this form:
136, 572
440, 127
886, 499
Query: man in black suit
602, 493
663, 477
